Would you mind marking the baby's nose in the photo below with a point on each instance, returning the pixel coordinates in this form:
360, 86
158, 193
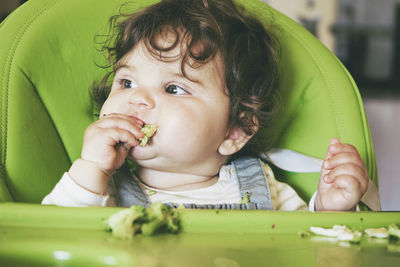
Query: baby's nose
142, 98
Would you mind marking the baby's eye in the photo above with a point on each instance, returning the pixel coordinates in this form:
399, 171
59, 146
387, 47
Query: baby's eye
125, 83
175, 90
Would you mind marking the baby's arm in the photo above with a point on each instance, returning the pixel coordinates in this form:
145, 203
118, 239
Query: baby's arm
344, 178
105, 147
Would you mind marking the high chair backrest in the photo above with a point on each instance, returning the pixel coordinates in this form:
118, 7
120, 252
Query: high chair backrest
49, 60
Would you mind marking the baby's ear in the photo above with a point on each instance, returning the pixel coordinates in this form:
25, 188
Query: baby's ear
235, 140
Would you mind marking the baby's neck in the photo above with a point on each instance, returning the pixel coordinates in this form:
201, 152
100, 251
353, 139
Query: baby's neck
171, 181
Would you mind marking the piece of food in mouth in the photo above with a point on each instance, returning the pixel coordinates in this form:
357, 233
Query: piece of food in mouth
148, 130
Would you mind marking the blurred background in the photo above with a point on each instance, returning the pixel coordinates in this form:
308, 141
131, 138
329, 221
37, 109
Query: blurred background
365, 36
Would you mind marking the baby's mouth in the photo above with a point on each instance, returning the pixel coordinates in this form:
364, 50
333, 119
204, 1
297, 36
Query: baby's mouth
138, 121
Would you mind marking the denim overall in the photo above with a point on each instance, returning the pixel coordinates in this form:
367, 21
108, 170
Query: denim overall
249, 172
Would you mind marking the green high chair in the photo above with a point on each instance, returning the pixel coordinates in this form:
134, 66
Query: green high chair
49, 59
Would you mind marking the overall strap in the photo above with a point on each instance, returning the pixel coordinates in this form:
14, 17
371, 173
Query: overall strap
127, 191
253, 183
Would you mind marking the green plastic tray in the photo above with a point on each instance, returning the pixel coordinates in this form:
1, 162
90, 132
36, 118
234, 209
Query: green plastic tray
34, 235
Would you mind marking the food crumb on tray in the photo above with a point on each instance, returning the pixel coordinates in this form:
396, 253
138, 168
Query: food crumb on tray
158, 218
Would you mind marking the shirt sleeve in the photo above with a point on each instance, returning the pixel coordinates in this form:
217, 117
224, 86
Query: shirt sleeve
311, 204
68, 193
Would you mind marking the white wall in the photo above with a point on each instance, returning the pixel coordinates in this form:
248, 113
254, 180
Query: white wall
384, 119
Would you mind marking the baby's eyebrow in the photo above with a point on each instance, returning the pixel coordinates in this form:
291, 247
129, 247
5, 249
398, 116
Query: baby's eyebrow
124, 66
187, 78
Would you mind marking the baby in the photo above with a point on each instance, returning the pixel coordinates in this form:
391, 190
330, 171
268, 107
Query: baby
205, 73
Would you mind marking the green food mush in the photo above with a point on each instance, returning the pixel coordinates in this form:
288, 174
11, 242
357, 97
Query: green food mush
158, 218
148, 130
245, 199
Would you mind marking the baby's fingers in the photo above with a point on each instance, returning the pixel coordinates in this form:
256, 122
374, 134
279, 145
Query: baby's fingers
121, 122
343, 158
337, 147
358, 174
120, 138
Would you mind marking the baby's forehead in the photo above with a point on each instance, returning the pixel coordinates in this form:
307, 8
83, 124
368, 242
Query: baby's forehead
169, 48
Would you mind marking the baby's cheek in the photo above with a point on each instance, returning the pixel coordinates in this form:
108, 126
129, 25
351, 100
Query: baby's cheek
189, 131
175, 139
178, 127
178, 137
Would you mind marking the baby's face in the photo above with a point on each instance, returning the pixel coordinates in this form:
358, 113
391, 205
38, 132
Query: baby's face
191, 115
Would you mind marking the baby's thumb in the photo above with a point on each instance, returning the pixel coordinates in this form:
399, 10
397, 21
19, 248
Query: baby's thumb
333, 141
328, 155
122, 153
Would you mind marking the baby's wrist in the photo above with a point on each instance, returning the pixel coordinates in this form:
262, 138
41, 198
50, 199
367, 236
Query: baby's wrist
95, 166
88, 175
319, 206
317, 203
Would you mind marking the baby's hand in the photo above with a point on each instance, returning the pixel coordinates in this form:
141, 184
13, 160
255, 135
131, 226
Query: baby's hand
344, 178
107, 141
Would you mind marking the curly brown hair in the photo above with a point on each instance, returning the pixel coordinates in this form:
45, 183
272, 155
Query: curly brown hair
207, 27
